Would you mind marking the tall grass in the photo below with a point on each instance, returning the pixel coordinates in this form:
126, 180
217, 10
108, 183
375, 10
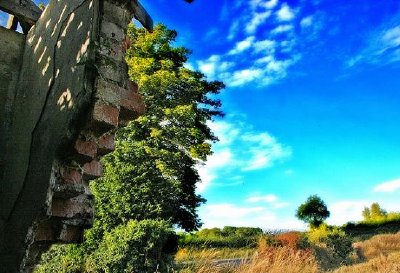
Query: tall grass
380, 254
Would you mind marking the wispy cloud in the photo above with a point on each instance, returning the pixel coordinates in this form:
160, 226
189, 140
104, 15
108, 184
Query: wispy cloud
382, 47
213, 65
389, 186
242, 46
268, 47
306, 21
241, 149
270, 199
257, 19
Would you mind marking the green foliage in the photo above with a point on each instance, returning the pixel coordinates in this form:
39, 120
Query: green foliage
320, 234
135, 247
332, 246
151, 174
233, 237
313, 211
62, 259
374, 213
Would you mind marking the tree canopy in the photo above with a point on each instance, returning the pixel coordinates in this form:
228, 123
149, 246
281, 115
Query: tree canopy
314, 211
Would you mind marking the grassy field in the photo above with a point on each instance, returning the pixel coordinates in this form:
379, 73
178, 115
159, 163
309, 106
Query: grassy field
380, 254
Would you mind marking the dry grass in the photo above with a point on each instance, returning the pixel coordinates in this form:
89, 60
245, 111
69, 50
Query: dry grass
380, 254
379, 245
268, 260
188, 254
381, 264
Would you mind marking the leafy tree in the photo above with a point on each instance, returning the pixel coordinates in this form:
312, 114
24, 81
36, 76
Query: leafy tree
152, 172
313, 211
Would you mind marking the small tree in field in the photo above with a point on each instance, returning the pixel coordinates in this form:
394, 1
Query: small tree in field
313, 211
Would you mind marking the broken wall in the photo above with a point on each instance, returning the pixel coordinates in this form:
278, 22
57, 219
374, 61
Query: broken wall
72, 93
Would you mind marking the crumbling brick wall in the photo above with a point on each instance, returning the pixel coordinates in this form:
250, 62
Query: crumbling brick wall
72, 93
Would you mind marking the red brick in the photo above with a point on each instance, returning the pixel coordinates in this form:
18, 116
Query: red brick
132, 106
86, 150
78, 207
105, 116
106, 144
71, 175
133, 86
92, 170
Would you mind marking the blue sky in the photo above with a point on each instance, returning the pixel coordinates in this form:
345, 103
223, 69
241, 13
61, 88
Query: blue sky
312, 105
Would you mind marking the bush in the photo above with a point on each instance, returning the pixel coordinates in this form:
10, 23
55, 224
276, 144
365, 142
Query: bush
233, 237
136, 247
332, 247
62, 258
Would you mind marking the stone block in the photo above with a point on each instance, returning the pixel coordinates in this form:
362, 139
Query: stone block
67, 191
112, 49
106, 144
105, 117
92, 170
109, 69
108, 91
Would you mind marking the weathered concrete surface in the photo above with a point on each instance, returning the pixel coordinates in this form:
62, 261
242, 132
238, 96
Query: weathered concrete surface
11, 49
54, 91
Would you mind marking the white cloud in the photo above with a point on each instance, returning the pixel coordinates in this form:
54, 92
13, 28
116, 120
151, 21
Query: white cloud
254, 4
244, 76
270, 4
390, 186
208, 171
285, 13
213, 66
242, 45
265, 151
346, 211
240, 149
258, 19
225, 131
306, 21
227, 214
391, 38
264, 46
281, 28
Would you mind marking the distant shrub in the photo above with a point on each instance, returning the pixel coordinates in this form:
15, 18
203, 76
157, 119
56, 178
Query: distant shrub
234, 237
290, 239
